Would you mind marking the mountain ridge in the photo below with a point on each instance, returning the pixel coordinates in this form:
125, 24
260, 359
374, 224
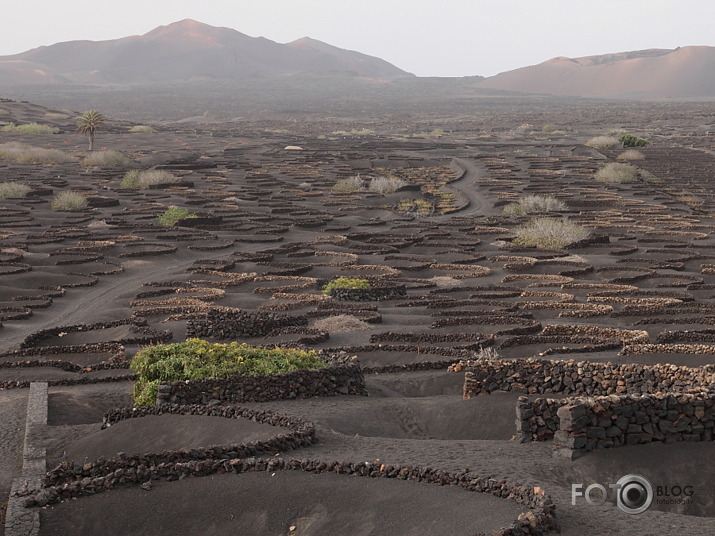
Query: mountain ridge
186, 50
683, 72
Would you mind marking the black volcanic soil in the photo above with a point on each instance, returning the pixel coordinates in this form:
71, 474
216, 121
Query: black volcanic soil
275, 231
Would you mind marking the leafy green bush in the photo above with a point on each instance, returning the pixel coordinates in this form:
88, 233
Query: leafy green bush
13, 190
548, 233
629, 140
617, 172
147, 178
534, 203
142, 128
196, 359
173, 214
346, 283
22, 153
105, 159
602, 142
66, 201
31, 128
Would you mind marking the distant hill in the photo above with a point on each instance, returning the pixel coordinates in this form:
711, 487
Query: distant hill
185, 50
686, 72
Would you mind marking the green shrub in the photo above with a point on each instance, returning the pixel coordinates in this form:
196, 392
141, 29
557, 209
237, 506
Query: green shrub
22, 153
147, 178
196, 359
602, 142
631, 154
13, 190
346, 283
617, 172
69, 200
534, 203
629, 140
173, 214
105, 159
30, 128
142, 128
548, 233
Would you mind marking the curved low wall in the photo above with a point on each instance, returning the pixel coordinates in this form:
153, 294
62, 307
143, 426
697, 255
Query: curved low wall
539, 519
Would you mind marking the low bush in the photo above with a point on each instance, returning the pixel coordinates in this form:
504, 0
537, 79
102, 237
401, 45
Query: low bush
173, 214
617, 172
13, 190
351, 184
385, 185
69, 200
534, 203
602, 142
145, 179
346, 283
631, 154
22, 153
31, 128
549, 233
57, 115
340, 323
629, 140
105, 159
142, 128
196, 359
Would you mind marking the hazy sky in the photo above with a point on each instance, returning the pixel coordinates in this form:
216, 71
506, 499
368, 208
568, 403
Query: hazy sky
426, 37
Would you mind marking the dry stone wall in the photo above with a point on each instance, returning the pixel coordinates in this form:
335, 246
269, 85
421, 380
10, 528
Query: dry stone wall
65, 484
614, 421
611, 405
238, 324
333, 380
582, 378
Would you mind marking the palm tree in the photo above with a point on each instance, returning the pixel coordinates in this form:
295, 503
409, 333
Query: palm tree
89, 123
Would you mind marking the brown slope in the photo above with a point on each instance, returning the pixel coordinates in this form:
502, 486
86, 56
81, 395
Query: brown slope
685, 72
328, 57
189, 50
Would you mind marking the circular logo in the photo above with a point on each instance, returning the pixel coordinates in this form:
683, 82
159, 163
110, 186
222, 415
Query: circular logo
634, 495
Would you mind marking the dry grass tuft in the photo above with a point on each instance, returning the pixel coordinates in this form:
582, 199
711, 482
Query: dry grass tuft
631, 154
105, 159
13, 190
548, 233
603, 142
340, 323
145, 179
534, 204
22, 153
617, 172
67, 201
